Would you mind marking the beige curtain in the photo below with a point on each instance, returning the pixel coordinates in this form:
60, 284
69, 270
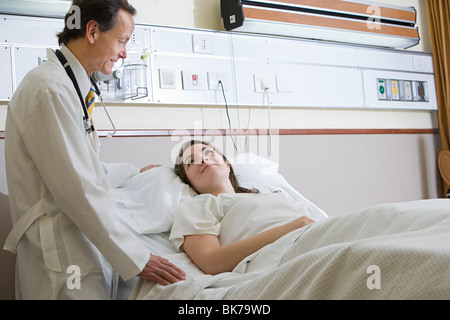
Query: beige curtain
439, 23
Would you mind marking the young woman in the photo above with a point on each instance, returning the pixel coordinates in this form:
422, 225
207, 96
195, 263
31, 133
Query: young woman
211, 228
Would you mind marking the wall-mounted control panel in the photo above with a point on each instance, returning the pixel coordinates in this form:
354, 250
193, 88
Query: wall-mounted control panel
402, 90
180, 66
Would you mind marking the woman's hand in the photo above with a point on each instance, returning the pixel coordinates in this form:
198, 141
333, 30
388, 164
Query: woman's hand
162, 271
149, 167
300, 222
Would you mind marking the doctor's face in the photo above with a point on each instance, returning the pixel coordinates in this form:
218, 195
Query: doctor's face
111, 45
204, 167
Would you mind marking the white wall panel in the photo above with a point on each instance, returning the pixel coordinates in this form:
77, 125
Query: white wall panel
183, 53
183, 93
298, 85
30, 30
6, 87
394, 60
257, 47
25, 59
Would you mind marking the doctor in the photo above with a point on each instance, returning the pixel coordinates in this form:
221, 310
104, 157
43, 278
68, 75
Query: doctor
64, 219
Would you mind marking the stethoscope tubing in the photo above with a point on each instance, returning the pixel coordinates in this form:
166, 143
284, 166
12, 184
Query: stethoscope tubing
89, 127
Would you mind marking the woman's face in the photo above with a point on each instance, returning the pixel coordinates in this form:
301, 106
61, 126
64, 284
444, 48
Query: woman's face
205, 168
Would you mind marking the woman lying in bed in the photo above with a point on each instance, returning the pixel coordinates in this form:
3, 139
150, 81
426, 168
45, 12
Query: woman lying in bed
201, 224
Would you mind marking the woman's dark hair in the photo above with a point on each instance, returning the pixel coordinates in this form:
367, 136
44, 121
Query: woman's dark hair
179, 167
104, 12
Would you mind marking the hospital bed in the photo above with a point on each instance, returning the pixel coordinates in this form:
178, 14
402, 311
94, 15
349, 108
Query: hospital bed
388, 251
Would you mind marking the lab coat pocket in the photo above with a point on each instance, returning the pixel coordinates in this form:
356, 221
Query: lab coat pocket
80, 251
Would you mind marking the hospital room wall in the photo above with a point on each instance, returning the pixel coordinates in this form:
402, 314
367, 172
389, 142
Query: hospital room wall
205, 14
399, 167
386, 168
339, 173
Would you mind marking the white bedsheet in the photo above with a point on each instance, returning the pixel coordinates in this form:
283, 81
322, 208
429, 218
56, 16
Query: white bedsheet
404, 248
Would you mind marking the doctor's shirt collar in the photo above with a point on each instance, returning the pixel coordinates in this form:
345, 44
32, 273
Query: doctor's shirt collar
78, 70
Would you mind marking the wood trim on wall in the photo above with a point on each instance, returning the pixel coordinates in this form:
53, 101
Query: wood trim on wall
281, 132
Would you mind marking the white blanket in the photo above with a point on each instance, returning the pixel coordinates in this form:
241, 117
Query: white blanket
392, 251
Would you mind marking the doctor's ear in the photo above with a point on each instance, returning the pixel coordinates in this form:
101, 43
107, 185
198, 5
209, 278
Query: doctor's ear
92, 31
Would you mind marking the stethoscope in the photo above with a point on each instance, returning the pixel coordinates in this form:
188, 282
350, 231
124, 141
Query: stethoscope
88, 125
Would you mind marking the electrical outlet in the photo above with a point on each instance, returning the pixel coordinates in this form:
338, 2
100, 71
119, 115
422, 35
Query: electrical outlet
133, 39
215, 77
202, 44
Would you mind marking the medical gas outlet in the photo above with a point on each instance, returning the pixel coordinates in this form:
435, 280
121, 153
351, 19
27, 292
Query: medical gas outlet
264, 83
402, 90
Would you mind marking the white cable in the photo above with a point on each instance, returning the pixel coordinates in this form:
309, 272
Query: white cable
266, 93
228, 115
109, 135
234, 83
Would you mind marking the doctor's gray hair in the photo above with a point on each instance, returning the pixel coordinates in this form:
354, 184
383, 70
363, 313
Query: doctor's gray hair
104, 12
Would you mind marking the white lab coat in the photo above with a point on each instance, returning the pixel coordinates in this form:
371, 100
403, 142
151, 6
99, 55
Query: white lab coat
61, 209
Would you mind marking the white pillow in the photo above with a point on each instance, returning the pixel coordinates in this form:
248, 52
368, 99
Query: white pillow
150, 198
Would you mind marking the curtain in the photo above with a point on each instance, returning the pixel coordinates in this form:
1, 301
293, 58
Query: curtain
439, 23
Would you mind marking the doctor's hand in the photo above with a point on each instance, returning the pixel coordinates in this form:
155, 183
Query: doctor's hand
162, 271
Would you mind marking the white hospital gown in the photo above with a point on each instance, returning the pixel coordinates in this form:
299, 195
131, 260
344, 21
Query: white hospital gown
233, 217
